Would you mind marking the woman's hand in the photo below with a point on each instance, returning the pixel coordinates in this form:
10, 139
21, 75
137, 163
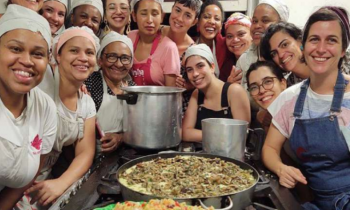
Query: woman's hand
84, 89
235, 76
46, 191
290, 176
111, 141
182, 83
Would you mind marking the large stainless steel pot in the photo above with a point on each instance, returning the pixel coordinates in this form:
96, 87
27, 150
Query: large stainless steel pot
152, 116
240, 200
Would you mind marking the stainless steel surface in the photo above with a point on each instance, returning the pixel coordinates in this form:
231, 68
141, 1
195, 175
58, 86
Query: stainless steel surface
240, 199
225, 137
154, 121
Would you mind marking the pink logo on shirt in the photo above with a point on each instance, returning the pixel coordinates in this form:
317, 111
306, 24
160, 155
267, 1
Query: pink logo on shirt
36, 143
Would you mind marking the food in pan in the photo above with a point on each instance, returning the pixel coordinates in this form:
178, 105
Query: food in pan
187, 177
157, 205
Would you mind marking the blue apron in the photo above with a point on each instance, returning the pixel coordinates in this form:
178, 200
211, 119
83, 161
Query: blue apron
323, 153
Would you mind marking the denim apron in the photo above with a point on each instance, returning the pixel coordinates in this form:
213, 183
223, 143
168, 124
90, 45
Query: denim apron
323, 153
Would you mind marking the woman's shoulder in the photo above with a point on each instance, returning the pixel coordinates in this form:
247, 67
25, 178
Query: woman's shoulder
132, 35
39, 97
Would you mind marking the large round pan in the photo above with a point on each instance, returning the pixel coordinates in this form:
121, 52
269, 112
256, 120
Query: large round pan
240, 199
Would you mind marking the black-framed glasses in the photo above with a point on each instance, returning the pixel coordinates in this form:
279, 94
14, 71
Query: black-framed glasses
267, 84
112, 58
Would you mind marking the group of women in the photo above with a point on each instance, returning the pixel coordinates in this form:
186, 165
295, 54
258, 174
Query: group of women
80, 55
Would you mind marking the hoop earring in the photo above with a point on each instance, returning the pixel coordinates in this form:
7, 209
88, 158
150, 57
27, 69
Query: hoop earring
106, 29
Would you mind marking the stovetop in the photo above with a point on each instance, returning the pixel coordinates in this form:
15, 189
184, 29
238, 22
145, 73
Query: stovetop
99, 188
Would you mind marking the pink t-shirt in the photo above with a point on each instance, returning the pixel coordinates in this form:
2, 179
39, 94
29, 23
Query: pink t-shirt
165, 60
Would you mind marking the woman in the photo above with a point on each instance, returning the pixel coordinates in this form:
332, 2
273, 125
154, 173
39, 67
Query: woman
199, 64
282, 44
313, 116
87, 13
266, 13
117, 16
33, 5
76, 57
156, 57
54, 11
238, 38
183, 16
115, 60
211, 18
265, 82
28, 121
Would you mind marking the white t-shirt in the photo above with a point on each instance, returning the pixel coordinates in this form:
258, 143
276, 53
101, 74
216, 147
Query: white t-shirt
39, 123
48, 83
315, 106
86, 107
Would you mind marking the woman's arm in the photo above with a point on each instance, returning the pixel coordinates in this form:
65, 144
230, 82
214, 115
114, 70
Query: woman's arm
49, 190
239, 102
288, 175
10, 196
189, 133
170, 80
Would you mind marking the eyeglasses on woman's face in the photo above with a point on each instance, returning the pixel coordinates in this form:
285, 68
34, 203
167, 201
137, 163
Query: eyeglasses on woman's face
112, 58
267, 84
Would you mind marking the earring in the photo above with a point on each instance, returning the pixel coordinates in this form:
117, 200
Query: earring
106, 29
301, 48
128, 26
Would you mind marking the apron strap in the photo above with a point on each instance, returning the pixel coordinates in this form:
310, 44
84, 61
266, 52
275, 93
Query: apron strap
339, 90
299, 105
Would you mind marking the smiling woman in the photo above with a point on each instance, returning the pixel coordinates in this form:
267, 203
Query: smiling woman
34, 5
199, 64
87, 13
117, 16
314, 116
115, 59
75, 52
54, 11
28, 119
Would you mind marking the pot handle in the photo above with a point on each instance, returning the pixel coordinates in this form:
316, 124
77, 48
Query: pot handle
226, 208
130, 98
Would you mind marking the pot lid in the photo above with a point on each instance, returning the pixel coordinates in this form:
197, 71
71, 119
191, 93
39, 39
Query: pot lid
152, 89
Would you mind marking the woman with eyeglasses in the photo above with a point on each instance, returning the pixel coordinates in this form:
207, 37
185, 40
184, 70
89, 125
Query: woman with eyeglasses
117, 16
265, 82
115, 59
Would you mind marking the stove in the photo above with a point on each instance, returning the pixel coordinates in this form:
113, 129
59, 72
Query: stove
99, 187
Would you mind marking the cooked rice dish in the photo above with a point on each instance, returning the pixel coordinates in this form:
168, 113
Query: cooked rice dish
187, 177
163, 204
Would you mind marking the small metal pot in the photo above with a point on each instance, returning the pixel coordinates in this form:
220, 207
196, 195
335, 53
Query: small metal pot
225, 137
152, 116
238, 200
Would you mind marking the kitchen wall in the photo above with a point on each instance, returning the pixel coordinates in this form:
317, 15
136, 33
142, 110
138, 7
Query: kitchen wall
300, 10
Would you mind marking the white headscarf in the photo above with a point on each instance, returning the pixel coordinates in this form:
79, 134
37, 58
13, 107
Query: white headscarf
202, 50
115, 37
64, 2
18, 17
96, 3
280, 6
133, 2
2, 7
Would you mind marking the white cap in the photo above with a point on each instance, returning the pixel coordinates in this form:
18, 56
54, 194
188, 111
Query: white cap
96, 3
133, 2
201, 50
115, 37
64, 2
280, 6
18, 17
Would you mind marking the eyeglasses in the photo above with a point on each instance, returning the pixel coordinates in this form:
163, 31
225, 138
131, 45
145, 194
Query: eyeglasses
112, 58
267, 84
